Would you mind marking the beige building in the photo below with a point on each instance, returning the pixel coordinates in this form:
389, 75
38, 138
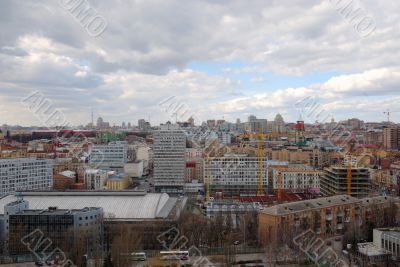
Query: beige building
391, 138
325, 216
118, 182
296, 179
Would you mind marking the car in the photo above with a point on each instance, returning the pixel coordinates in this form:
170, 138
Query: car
39, 263
236, 242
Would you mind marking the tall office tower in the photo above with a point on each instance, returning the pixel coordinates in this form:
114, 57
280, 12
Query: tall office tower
25, 174
169, 159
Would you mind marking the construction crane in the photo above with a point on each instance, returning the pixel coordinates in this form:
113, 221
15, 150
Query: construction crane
259, 158
387, 113
349, 174
207, 180
279, 185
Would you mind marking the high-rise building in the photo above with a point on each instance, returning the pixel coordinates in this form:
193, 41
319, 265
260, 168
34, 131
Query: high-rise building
391, 138
169, 159
25, 174
143, 124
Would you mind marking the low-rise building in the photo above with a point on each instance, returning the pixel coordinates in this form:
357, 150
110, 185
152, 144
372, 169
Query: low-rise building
95, 179
62, 226
134, 169
119, 181
297, 178
325, 216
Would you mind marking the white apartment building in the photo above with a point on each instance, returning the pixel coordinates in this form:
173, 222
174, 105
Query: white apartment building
95, 179
235, 174
297, 179
169, 159
388, 239
109, 156
22, 174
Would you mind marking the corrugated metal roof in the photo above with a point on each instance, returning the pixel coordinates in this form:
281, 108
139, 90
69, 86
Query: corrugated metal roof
118, 205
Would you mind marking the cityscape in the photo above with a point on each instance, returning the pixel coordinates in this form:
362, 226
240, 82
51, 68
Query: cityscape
199, 133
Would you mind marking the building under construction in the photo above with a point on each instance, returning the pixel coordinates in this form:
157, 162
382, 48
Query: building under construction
236, 174
335, 181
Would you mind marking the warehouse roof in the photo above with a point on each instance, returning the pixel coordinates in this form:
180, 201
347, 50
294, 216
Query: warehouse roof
121, 205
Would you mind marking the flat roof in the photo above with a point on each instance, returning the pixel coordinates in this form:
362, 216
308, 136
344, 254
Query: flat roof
118, 205
311, 204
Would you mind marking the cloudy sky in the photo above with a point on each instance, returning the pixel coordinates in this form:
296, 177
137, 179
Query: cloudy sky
214, 58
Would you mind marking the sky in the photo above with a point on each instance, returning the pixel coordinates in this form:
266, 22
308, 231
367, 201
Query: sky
211, 59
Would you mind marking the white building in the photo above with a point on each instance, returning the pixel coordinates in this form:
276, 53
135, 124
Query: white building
95, 179
235, 174
134, 169
109, 156
18, 174
297, 179
169, 159
388, 239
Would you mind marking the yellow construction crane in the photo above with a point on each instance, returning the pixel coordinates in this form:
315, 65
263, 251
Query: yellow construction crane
349, 175
207, 180
259, 158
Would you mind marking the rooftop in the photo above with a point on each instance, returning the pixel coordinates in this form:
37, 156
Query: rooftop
311, 204
120, 205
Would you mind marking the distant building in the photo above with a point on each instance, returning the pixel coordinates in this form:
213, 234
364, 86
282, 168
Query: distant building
143, 124
297, 179
134, 169
64, 180
95, 179
169, 159
374, 137
391, 138
25, 174
113, 155
117, 182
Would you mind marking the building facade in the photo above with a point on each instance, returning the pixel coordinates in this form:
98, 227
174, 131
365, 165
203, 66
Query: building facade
113, 155
334, 181
235, 174
62, 227
391, 138
95, 179
297, 179
169, 159
25, 174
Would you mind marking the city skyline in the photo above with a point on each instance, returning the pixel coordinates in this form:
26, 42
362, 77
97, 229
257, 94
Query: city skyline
223, 60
